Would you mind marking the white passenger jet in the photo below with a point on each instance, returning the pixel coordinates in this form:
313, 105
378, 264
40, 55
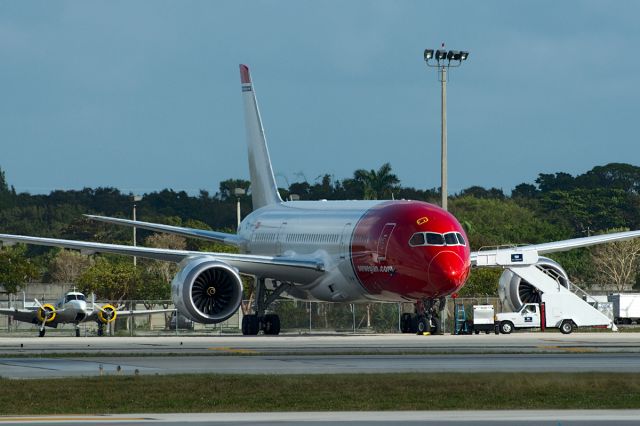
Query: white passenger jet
72, 308
335, 251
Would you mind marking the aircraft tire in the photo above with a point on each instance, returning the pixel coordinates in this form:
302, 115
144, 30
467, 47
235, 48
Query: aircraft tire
406, 323
421, 325
100, 329
272, 324
435, 327
42, 332
77, 332
250, 325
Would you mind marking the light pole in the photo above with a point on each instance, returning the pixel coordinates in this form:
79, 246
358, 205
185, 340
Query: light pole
136, 198
238, 193
443, 61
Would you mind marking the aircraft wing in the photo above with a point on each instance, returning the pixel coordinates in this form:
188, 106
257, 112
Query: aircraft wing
297, 269
24, 315
93, 316
564, 245
128, 313
219, 237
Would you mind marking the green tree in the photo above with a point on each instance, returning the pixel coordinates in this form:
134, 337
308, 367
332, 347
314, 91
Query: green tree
16, 270
68, 265
113, 280
378, 184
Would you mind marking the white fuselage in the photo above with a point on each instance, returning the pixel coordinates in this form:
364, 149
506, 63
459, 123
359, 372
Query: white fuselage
322, 229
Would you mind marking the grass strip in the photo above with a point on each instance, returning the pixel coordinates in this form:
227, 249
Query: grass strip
242, 393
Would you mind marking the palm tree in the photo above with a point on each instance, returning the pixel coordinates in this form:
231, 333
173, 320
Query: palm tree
377, 184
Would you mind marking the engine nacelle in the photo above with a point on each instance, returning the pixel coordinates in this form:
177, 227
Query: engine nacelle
514, 291
206, 290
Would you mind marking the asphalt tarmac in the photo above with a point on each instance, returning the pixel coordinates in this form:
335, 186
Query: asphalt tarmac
604, 342
335, 354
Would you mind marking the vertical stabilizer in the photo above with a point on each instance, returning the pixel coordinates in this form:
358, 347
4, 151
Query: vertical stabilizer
263, 184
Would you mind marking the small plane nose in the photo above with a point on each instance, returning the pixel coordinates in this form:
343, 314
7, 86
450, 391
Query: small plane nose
447, 271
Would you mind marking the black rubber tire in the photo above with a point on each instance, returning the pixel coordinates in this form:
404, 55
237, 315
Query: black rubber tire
250, 325
100, 330
421, 326
77, 332
566, 327
476, 331
406, 323
506, 327
41, 332
435, 327
272, 324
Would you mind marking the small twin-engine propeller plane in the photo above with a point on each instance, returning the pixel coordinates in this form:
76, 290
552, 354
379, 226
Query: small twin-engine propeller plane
334, 251
72, 308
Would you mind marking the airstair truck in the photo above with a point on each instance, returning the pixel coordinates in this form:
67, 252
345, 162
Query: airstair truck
559, 310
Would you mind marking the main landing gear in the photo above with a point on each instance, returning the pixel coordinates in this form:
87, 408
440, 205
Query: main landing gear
426, 318
252, 324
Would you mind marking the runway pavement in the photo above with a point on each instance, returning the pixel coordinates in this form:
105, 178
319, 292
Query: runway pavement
325, 344
335, 354
37, 368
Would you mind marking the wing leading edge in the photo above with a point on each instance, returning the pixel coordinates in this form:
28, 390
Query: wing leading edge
564, 245
297, 269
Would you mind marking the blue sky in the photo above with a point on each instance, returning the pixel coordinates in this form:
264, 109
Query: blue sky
145, 95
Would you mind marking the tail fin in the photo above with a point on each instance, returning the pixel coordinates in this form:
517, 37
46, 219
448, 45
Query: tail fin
263, 184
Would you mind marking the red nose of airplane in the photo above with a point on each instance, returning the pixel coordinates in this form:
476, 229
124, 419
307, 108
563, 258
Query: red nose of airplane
447, 271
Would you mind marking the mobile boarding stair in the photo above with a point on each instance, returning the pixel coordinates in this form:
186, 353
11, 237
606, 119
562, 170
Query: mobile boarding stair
562, 298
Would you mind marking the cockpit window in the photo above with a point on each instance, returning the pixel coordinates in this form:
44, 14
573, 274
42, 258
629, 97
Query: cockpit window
451, 239
417, 239
70, 297
434, 239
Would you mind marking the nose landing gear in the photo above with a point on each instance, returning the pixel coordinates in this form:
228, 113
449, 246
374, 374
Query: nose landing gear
426, 318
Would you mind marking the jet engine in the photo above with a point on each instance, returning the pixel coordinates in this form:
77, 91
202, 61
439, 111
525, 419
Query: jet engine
46, 313
514, 291
206, 290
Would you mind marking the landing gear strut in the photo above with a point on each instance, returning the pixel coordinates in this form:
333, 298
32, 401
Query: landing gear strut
252, 324
426, 318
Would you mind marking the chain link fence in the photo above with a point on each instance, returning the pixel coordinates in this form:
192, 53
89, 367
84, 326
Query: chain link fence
296, 317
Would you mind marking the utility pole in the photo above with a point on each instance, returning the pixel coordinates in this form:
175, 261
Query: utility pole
239, 192
136, 198
443, 61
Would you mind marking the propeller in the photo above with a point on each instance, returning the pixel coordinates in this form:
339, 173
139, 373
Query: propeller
106, 313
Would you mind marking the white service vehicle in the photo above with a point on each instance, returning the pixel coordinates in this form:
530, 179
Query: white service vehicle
626, 307
559, 310
483, 319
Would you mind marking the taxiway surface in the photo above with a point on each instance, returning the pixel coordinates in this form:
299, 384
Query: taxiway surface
325, 344
335, 354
